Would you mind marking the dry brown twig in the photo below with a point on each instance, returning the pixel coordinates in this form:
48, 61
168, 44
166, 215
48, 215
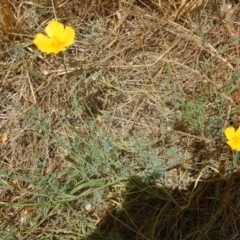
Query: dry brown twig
6, 18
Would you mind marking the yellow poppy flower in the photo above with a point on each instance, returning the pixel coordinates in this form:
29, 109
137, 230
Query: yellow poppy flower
57, 39
233, 137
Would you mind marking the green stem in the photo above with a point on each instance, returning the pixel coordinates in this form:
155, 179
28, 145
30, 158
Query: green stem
235, 160
65, 67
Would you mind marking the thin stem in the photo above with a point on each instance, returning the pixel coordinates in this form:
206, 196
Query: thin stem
65, 67
235, 160
54, 11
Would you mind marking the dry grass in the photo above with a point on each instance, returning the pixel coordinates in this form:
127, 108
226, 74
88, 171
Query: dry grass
209, 211
133, 129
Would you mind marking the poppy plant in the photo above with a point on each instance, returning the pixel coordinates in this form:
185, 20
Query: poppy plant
57, 39
233, 137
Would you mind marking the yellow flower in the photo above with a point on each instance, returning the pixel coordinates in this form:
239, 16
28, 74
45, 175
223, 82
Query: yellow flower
57, 39
233, 137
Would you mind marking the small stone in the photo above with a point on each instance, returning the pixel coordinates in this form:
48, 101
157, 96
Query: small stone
88, 207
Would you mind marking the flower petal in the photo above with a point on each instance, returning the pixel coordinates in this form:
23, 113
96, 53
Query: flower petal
57, 49
237, 145
43, 43
238, 131
68, 36
55, 28
233, 145
230, 132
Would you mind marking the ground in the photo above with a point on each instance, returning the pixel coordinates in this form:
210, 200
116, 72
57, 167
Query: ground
121, 136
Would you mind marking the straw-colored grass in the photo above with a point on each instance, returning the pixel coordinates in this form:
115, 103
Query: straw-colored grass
121, 136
